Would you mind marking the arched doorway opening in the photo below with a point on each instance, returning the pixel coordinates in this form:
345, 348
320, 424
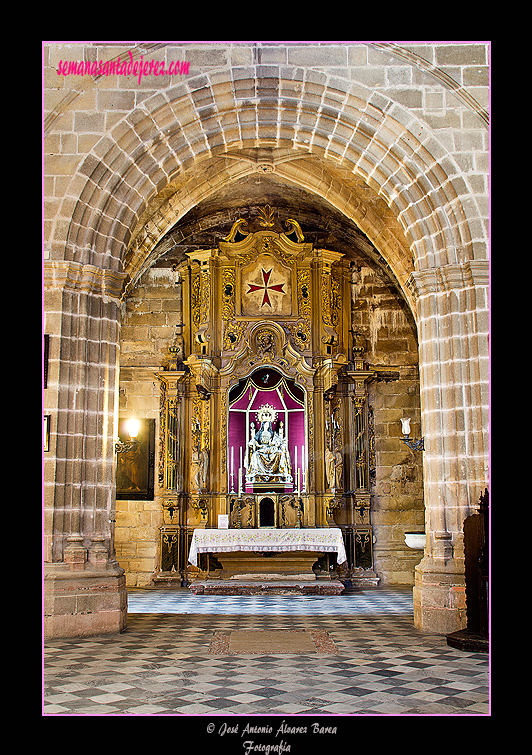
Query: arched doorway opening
266, 512
339, 381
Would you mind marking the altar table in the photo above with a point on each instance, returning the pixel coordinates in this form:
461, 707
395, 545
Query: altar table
325, 540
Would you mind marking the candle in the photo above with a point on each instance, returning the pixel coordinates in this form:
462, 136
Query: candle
295, 463
232, 450
298, 489
240, 481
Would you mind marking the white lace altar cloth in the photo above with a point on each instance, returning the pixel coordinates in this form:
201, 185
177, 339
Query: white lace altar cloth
326, 540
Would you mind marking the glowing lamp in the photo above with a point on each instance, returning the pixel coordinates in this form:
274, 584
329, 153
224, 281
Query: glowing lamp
133, 426
414, 445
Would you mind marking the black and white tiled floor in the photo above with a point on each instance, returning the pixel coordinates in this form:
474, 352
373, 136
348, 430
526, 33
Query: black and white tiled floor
164, 664
374, 601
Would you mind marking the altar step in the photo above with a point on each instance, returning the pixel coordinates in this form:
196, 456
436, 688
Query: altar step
251, 573
266, 587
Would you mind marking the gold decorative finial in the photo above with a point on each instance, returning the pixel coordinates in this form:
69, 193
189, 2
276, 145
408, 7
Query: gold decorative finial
237, 228
296, 228
267, 215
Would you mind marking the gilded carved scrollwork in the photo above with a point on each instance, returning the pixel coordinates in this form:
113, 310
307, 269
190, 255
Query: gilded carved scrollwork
232, 329
242, 512
310, 431
300, 331
266, 217
291, 514
266, 344
237, 228
200, 299
205, 297
201, 506
294, 227
331, 304
169, 473
195, 299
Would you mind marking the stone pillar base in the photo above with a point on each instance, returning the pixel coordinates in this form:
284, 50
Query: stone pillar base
84, 603
439, 596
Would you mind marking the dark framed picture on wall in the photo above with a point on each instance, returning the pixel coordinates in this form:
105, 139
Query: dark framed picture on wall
135, 459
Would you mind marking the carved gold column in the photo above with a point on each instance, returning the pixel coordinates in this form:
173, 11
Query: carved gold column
204, 304
327, 294
329, 345
171, 484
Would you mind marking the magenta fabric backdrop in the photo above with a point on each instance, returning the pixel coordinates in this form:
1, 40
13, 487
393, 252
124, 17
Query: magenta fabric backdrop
267, 395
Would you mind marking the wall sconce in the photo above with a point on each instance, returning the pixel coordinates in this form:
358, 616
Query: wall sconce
414, 445
133, 427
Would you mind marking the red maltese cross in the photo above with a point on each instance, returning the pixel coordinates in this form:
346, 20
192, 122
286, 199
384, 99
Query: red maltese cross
266, 277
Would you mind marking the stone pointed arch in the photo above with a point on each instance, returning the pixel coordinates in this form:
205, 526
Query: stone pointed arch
156, 147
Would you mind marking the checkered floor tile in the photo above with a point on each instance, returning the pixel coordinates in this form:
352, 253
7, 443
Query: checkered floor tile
381, 601
162, 664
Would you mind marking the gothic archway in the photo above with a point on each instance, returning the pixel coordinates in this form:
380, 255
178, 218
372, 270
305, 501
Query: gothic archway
373, 161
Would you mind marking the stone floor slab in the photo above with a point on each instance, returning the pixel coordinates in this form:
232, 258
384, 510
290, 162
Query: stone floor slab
161, 665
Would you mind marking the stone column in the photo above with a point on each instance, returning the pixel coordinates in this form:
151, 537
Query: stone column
452, 314
84, 585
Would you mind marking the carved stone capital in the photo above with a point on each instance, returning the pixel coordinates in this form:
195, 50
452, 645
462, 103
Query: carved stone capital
454, 277
63, 274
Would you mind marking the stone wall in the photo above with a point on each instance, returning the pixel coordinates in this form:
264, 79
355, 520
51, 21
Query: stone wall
397, 496
397, 504
151, 314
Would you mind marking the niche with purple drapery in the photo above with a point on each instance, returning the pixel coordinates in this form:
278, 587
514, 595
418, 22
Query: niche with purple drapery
266, 443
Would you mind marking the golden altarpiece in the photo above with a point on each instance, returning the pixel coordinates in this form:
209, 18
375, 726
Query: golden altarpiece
265, 421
